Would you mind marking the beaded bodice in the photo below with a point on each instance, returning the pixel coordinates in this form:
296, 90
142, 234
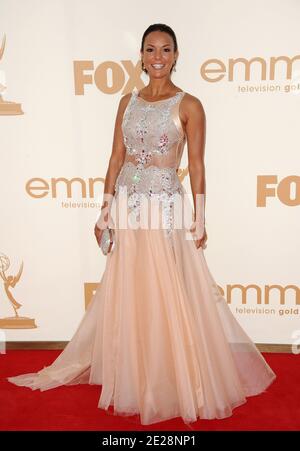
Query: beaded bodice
154, 141
152, 131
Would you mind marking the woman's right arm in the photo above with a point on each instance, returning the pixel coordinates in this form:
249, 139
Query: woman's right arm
115, 162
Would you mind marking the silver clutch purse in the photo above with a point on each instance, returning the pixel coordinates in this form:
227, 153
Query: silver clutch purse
107, 242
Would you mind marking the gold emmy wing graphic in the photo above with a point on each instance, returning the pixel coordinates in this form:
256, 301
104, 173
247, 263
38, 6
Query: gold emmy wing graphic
6, 107
13, 322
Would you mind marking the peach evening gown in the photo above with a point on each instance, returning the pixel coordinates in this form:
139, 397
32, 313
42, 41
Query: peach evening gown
158, 336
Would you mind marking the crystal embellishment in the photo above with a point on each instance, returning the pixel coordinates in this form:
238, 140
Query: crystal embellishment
150, 135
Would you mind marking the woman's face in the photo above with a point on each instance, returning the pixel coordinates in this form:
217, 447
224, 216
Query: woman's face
158, 55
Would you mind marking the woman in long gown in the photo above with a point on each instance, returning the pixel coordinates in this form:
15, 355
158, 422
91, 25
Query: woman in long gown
158, 336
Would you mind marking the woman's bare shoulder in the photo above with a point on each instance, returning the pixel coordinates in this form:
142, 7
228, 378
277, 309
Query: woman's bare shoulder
192, 101
125, 99
191, 105
123, 102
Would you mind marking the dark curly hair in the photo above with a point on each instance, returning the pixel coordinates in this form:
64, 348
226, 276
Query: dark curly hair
159, 27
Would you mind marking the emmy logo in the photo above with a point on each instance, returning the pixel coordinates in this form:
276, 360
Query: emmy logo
6, 107
13, 322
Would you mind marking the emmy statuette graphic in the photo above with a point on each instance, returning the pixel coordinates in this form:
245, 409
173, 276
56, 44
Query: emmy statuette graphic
6, 107
13, 322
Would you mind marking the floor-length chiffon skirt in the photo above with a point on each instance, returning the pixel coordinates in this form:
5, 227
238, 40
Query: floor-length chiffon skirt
159, 337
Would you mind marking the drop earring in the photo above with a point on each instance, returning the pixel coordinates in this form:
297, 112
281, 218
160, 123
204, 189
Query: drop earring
143, 68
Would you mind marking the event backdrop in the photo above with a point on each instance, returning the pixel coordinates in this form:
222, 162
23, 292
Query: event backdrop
64, 64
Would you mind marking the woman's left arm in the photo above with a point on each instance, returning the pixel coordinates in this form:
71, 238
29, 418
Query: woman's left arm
196, 136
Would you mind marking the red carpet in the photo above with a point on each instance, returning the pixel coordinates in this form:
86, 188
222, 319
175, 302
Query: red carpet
75, 407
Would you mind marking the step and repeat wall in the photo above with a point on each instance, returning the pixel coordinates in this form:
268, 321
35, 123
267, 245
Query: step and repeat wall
64, 64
